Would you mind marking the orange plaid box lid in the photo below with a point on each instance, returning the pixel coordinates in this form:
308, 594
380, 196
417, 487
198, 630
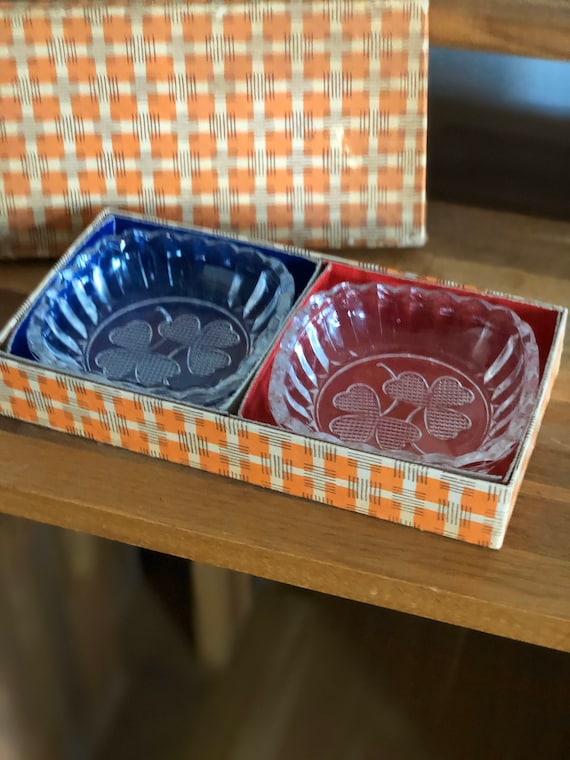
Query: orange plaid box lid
292, 121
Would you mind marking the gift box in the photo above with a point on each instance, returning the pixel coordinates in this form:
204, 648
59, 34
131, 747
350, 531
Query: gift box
290, 121
424, 410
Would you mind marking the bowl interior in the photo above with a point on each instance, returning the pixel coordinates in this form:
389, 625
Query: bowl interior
177, 314
434, 376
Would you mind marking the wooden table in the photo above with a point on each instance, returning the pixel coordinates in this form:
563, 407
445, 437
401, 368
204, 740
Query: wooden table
522, 591
539, 28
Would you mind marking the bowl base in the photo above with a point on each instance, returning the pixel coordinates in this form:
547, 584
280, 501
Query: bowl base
174, 342
404, 402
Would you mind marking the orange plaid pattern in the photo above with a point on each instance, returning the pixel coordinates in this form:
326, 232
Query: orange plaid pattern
292, 121
462, 507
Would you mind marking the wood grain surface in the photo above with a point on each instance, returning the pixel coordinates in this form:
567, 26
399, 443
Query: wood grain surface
522, 591
537, 28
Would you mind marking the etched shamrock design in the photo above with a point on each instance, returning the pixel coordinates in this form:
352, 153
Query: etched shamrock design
132, 354
148, 357
364, 420
205, 354
438, 400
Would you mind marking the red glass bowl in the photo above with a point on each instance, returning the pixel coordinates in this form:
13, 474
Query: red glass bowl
426, 375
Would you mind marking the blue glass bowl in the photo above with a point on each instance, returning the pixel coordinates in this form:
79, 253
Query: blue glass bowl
176, 315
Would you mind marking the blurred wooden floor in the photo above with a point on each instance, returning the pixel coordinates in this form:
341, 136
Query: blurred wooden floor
317, 677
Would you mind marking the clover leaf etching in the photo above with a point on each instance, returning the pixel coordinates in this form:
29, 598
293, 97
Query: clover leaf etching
205, 354
364, 419
441, 419
132, 353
